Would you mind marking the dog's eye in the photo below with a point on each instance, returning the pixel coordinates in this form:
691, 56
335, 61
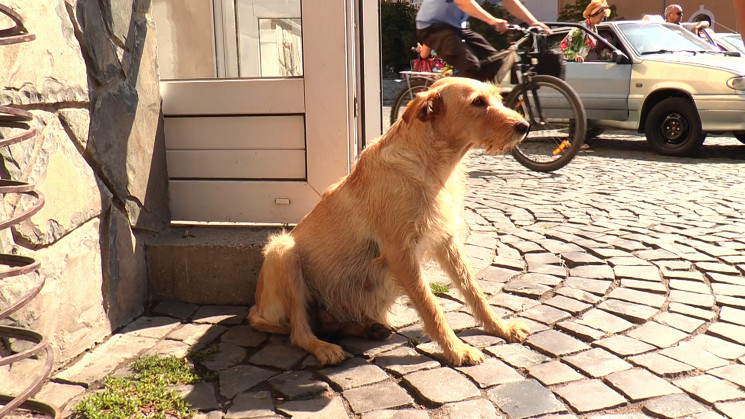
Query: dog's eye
479, 101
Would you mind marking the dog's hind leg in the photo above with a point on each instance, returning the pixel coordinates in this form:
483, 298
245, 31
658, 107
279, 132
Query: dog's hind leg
281, 299
451, 257
406, 269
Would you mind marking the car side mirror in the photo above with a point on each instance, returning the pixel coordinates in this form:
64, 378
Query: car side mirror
619, 56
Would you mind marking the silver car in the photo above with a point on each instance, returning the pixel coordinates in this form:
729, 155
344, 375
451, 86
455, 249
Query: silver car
661, 80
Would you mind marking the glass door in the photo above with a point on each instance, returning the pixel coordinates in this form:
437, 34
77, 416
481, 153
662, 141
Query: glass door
259, 103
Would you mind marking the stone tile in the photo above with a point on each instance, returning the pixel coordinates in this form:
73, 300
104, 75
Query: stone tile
429, 384
167, 347
241, 378
623, 345
723, 300
173, 308
590, 395
547, 279
691, 311
640, 297
567, 304
627, 261
683, 274
728, 331
104, 359
404, 360
690, 286
525, 399
694, 356
278, 356
490, 373
718, 347
674, 406
553, 270
458, 320
709, 389
225, 315
151, 327
597, 362
639, 384
555, 343
590, 285
251, 405
704, 301
512, 302
733, 373
383, 395
644, 273
545, 314
197, 335
634, 312
724, 279
479, 339
527, 289
516, 355
554, 372
580, 331
732, 315
657, 334
722, 268
573, 259
227, 355
59, 394
479, 408
679, 321
542, 258
592, 272
499, 274
370, 348
602, 320
315, 408
244, 335
731, 409
660, 365
353, 373
298, 385
200, 396
399, 414
641, 285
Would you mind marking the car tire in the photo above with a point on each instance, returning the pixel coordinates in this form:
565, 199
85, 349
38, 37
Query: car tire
740, 135
673, 128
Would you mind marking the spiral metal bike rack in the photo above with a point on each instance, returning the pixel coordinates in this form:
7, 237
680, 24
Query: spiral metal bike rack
12, 265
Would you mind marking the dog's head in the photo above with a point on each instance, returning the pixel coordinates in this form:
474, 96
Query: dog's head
468, 113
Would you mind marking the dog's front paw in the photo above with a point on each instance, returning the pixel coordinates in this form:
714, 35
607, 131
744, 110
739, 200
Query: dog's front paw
516, 332
329, 354
465, 355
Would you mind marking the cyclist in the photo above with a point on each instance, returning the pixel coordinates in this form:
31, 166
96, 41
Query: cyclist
441, 24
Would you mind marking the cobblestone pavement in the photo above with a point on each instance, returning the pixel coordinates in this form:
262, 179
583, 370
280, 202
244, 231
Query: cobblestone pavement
627, 266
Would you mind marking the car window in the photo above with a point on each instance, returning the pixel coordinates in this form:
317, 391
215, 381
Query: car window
735, 41
656, 38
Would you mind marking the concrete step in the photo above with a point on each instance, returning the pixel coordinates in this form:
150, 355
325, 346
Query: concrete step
206, 265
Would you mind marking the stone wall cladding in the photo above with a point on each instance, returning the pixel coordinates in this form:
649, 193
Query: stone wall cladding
91, 80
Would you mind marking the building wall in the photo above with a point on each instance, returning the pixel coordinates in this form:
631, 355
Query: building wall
90, 80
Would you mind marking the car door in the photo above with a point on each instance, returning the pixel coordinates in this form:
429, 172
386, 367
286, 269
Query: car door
603, 85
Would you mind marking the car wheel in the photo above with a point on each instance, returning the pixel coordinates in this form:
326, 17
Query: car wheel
593, 132
740, 135
673, 128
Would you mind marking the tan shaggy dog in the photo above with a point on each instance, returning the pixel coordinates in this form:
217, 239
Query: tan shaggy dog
343, 266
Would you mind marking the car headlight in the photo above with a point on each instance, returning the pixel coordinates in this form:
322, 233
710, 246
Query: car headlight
737, 83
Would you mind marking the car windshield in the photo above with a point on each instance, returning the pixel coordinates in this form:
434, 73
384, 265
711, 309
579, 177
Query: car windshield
735, 41
657, 38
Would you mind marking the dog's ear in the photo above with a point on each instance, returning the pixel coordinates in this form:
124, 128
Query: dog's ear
425, 107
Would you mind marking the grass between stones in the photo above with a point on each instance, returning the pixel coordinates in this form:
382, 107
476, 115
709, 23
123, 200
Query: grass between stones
146, 393
438, 289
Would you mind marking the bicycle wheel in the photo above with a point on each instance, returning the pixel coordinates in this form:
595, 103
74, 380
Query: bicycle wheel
557, 123
406, 95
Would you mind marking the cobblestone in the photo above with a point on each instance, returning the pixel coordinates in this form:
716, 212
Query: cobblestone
628, 266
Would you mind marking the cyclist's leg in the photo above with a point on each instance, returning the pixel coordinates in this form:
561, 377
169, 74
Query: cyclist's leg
484, 51
450, 46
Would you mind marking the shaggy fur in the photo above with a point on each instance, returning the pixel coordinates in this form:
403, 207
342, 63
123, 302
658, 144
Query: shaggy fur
343, 266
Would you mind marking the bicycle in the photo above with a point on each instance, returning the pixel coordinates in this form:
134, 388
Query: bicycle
553, 108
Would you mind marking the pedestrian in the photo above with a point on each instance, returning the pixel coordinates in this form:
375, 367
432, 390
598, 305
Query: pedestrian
674, 14
578, 43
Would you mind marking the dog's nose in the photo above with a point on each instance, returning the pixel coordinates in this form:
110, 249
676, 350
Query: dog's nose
522, 128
